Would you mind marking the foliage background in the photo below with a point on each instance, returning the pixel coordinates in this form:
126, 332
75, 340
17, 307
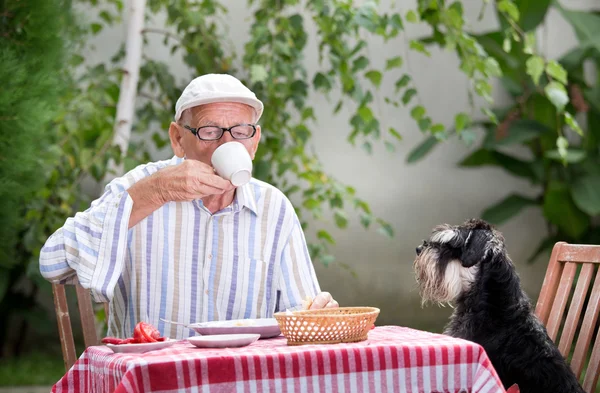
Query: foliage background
303, 59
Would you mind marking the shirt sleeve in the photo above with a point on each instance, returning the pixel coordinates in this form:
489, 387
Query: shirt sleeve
298, 279
91, 246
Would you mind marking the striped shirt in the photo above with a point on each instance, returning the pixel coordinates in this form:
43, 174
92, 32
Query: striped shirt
182, 263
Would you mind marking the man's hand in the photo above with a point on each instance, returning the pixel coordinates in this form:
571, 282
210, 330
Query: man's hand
323, 300
187, 181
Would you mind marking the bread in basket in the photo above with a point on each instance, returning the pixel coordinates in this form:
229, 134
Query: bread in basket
328, 325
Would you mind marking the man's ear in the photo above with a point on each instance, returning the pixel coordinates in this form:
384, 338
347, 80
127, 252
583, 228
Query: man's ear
256, 140
475, 248
176, 139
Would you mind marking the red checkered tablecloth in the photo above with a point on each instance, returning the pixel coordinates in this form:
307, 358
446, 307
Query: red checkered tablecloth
393, 359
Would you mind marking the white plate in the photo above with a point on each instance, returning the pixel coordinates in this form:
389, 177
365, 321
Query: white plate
266, 327
140, 348
224, 340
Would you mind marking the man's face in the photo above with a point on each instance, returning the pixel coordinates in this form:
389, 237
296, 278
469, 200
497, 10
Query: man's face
222, 114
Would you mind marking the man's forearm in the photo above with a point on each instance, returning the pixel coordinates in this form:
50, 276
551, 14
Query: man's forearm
147, 197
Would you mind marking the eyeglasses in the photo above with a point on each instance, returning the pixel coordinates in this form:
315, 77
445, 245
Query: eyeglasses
213, 133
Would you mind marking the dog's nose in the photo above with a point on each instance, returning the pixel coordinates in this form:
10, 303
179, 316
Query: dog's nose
419, 249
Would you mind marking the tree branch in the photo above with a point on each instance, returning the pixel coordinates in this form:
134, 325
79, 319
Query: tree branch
161, 31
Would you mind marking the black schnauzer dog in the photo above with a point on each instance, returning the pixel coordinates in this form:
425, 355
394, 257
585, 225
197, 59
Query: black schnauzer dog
468, 267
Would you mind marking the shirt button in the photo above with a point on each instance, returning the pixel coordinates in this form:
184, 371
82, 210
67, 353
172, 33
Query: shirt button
206, 291
209, 256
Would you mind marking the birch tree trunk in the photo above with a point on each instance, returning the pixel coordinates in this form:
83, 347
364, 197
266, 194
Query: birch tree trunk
128, 91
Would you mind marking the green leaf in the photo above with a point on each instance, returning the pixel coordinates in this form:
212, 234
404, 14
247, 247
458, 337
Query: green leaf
394, 62
507, 45
515, 166
521, 131
341, 219
76, 60
484, 89
506, 209
419, 47
479, 157
324, 235
424, 123
360, 64
422, 149
461, 121
412, 17
389, 146
490, 115
532, 13
374, 77
327, 259
509, 8
366, 16
366, 220
511, 86
437, 128
561, 211
572, 156
258, 73
586, 194
468, 136
322, 82
402, 82
557, 94
535, 68
572, 123
408, 94
311, 204
586, 25
556, 71
367, 147
365, 113
562, 144
104, 15
529, 47
385, 229
395, 133
96, 27
417, 112
492, 67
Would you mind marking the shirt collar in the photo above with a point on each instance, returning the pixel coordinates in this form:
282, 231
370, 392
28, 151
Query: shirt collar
244, 196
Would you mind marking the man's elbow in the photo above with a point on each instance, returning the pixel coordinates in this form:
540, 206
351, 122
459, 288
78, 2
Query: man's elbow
53, 264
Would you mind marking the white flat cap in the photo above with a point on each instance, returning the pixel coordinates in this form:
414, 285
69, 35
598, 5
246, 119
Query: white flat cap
210, 88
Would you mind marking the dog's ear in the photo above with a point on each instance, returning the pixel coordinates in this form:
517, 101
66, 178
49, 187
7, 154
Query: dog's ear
475, 247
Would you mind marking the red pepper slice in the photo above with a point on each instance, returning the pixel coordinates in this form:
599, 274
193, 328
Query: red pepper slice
112, 340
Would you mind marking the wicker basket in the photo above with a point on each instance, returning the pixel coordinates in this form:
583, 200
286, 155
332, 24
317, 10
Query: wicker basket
327, 326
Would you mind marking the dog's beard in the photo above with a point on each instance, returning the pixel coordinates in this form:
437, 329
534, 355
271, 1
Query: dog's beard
444, 289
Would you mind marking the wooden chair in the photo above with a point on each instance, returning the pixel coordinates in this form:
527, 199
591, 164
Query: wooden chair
86, 313
565, 262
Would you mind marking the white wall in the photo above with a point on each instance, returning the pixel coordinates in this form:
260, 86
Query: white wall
413, 198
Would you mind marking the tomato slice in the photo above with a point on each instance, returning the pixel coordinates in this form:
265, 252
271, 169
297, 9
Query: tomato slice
137, 333
146, 331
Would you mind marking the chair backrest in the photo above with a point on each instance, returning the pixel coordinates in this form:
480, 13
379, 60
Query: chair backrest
86, 313
570, 263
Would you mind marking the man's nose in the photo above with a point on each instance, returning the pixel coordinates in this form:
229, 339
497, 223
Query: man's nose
227, 137
419, 249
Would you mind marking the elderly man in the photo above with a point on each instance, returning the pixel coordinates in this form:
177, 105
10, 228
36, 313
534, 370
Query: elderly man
173, 240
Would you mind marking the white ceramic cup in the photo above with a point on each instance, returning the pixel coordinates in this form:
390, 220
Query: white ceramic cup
232, 161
